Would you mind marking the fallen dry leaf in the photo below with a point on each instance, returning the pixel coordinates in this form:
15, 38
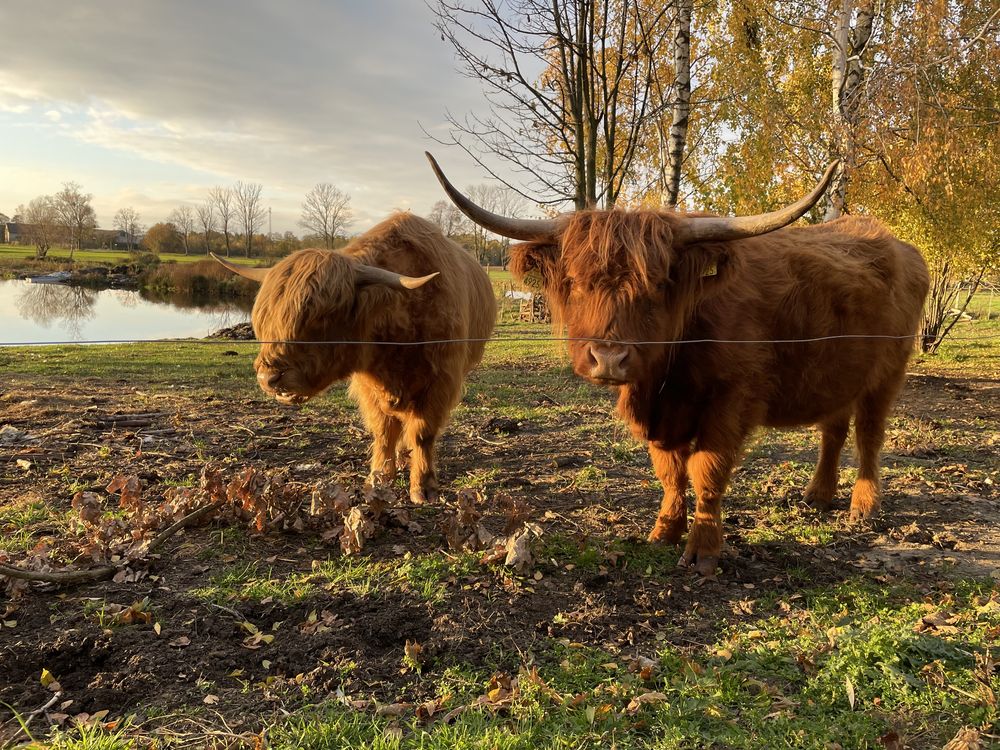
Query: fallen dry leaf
966, 739
639, 701
392, 709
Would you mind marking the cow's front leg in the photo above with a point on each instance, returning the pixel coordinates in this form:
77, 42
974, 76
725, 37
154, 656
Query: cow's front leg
383, 464
421, 438
709, 468
385, 430
671, 469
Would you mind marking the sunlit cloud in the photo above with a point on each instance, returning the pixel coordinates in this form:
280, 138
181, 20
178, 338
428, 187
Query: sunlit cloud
193, 94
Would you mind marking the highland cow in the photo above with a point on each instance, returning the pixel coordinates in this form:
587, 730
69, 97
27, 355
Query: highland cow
785, 327
402, 283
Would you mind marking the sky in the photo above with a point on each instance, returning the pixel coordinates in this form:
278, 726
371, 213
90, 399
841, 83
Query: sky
150, 103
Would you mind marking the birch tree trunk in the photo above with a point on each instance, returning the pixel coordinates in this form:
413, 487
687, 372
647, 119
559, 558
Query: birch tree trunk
847, 77
682, 101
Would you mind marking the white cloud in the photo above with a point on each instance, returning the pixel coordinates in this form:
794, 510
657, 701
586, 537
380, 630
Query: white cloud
285, 94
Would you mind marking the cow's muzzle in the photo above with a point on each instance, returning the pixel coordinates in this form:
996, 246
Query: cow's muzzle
607, 363
274, 383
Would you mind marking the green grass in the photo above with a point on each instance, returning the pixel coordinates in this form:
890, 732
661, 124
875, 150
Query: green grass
23, 520
839, 668
9, 253
424, 575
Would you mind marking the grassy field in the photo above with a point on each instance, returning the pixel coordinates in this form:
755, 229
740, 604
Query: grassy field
818, 634
17, 253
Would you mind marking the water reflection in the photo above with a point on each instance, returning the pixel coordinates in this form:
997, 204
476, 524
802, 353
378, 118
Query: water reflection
70, 306
32, 312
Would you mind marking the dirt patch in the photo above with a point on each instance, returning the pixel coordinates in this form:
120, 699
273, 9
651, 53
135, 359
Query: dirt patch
595, 582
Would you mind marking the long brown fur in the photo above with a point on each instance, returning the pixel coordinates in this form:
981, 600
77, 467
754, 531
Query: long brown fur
406, 393
616, 275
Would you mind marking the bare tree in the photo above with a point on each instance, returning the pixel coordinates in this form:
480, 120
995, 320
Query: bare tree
225, 206
449, 219
574, 130
249, 211
499, 200
127, 221
206, 218
326, 211
41, 223
182, 217
76, 214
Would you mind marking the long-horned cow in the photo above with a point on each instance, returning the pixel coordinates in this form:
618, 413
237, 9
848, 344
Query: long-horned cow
786, 326
397, 285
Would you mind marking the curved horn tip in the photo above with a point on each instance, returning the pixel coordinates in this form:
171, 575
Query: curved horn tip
254, 274
414, 283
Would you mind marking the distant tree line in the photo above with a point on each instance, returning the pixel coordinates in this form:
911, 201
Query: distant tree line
229, 219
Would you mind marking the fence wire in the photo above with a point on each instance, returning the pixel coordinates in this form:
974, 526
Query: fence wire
494, 340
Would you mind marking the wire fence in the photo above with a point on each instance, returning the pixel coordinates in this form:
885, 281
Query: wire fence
494, 340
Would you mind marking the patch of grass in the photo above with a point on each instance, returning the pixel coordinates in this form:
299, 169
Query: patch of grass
428, 574
23, 520
843, 667
476, 480
590, 477
250, 582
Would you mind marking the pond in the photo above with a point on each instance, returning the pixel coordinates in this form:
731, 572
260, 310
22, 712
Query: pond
43, 313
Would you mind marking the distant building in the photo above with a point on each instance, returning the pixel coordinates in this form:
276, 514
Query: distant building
13, 232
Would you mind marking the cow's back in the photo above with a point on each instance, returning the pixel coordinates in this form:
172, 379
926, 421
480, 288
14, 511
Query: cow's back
841, 302
457, 304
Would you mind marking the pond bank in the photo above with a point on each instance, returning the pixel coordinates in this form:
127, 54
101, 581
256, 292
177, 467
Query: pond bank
202, 278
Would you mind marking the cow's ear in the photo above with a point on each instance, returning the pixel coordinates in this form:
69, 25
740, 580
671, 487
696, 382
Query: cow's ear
534, 263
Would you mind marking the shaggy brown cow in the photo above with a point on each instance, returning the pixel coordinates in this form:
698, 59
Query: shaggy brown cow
362, 293
618, 279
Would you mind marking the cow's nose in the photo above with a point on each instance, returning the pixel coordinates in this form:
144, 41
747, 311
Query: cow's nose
268, 379
607, 361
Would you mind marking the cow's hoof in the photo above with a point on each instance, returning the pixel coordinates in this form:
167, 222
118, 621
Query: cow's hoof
703, 565
668, 532
818, 499
861, 514
424, 495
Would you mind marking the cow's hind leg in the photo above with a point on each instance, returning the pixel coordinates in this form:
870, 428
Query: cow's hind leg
671, 469
823, 485
869, 432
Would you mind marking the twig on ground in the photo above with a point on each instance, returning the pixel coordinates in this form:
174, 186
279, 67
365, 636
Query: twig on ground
26, 720
106, 571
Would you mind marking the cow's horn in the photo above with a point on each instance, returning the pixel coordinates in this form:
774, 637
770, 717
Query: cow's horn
705, 228
373, 275
254, 274
516, 229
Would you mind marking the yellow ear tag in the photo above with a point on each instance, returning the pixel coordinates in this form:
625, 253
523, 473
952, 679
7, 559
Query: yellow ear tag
532, 279
712, 269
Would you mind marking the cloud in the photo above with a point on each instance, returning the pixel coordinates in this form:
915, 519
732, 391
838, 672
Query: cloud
287, 94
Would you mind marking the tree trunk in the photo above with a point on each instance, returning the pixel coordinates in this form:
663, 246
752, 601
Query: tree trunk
682, 101
932, 349
847, 74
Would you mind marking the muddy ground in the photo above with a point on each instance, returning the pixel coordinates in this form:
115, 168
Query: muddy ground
567, 464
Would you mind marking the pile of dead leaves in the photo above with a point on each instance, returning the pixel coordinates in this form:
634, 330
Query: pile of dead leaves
464, 531
127, 535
